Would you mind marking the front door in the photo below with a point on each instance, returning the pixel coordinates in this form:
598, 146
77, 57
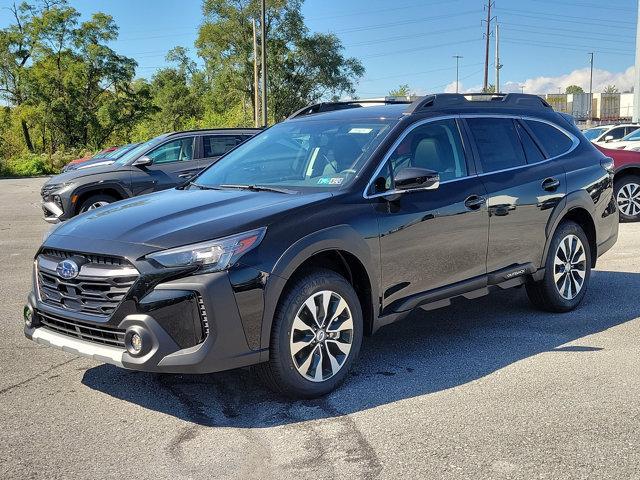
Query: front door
173, 164
430, 238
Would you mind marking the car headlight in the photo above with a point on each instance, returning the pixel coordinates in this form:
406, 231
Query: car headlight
211, 256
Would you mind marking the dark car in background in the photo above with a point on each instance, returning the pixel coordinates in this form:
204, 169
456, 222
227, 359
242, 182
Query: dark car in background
325, 228
626, 181
104, 157
160, 163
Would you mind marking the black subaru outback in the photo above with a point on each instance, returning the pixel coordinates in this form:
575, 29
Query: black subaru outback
322, 229
160, 163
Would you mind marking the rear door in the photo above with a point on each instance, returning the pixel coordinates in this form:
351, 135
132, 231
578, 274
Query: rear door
173, 164
216, 145
523, 186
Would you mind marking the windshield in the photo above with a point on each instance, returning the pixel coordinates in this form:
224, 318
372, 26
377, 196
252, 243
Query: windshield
635, 135
120, 151
593, 133
139, 150
325, 154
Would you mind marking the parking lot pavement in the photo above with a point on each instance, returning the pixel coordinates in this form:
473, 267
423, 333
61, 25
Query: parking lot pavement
484, 389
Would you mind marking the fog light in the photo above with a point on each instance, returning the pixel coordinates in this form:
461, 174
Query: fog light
29, 316
136, 343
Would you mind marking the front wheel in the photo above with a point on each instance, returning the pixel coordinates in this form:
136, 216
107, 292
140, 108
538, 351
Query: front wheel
316, 336
96, 201
627, 190
567, 271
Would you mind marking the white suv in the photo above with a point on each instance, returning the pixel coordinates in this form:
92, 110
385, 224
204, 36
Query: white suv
609, 133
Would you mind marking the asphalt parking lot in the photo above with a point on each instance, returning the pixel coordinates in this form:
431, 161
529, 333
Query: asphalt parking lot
483, 389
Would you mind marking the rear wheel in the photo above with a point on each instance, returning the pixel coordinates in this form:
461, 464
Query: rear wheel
316, 336
627, 191
96, 201
567, 271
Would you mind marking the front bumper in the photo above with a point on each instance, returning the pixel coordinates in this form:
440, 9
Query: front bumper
164, 317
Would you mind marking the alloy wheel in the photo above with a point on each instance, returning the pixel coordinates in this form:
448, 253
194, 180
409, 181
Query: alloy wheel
321, 336
95, 205
570, 267
629, 199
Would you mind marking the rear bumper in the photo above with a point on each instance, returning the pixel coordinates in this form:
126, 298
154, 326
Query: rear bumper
161, 318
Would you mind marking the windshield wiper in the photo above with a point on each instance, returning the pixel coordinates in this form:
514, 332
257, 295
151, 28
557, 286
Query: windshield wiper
199, 186
258, 188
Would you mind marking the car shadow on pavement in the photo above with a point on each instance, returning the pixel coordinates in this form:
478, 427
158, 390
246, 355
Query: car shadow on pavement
425, 353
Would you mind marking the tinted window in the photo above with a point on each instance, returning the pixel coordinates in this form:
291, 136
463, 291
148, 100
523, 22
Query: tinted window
616, 133
180, 150
531, 150
553, 140
217, 145
497, 142
593, 133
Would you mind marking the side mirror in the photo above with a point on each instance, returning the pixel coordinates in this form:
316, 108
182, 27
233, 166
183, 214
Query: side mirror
413, 178
143, 161
608, 138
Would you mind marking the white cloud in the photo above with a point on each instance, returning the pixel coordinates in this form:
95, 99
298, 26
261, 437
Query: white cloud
601, 78
451, 88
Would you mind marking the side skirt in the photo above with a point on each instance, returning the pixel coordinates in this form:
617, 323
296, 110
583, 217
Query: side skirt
476, 287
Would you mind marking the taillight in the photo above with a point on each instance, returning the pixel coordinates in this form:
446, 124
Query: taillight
607, 164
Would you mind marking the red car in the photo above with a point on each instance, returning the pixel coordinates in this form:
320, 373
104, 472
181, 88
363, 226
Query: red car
100, 154
626, 182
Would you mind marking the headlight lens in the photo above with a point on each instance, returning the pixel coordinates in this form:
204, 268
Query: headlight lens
211, 256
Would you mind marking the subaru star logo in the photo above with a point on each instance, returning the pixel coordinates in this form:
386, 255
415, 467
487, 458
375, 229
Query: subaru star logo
67, 269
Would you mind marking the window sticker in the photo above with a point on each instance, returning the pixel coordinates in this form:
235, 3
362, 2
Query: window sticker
330, 180
360, 130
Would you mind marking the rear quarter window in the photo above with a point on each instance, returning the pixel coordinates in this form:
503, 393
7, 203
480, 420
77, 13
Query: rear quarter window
553, 140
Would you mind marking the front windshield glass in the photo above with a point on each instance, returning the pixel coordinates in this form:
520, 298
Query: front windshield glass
139, 150
593, 133
635, 135
300, 155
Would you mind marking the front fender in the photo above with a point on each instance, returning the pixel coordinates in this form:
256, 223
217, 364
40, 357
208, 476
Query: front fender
339, 237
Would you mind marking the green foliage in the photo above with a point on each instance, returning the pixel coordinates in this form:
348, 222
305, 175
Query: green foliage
402, 91
573, 89
31, 164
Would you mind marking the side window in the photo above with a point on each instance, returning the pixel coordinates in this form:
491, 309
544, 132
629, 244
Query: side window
531, 150
436, 146
553, 140
180, 150
616, 133
497, 142
628, 130
218, 145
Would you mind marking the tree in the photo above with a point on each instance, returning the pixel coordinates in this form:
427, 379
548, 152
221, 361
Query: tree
573, 89
491, 88
401, 91
610, 89
302, 67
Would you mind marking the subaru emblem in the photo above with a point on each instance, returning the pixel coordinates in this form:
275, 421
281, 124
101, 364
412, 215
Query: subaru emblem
67, 269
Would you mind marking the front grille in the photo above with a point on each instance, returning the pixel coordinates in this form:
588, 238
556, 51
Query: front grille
91, 333
100, 286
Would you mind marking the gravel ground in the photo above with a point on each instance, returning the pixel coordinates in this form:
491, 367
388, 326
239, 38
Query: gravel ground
483, 389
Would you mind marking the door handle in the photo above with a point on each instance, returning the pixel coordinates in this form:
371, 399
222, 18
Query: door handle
550, 184
474, 202
185, 175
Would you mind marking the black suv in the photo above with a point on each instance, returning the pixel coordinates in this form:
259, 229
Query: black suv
322, 229
160, 163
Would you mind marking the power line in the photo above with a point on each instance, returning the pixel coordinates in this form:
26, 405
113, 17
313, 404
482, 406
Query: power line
548, 29
546, 34
565, 46
566, 19
607, 7
406, 22
424, 72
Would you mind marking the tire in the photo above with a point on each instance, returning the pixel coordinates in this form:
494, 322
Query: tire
627, 192
556, 292
302, 362
96, 201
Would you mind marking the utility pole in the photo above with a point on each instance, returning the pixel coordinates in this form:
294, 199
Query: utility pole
497, 61
256, 93
590, 89
263, 27
458, 57
485, 84
636, 83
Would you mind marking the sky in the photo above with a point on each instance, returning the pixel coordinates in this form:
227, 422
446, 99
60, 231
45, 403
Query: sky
544, 44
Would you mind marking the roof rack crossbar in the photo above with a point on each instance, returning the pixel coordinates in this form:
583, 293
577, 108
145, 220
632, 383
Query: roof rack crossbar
331, 106
459, 99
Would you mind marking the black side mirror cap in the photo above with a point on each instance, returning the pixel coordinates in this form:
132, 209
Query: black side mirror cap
414, 178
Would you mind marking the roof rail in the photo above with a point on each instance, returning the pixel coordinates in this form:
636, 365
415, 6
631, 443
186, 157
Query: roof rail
331, 106
441, 100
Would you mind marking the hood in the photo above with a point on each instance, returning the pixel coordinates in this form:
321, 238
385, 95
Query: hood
175, 217
95, 162
77, 173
